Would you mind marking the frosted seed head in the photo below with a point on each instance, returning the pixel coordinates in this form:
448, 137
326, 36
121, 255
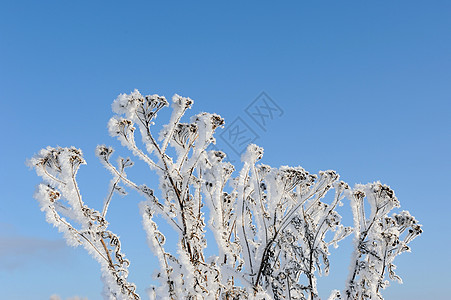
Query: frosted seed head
182, 102
253, 154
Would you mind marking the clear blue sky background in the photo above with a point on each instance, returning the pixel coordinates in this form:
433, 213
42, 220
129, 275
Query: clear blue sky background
364, 86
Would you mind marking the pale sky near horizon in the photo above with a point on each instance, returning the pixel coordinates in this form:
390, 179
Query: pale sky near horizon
363, 88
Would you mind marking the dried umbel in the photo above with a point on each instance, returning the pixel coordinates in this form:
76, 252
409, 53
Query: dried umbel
80, 224
270, 224
378, 240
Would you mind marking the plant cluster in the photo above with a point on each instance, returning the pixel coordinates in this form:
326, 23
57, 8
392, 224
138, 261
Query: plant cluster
272, 226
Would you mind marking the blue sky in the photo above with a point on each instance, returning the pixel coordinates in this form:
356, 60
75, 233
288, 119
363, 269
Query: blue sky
364, 88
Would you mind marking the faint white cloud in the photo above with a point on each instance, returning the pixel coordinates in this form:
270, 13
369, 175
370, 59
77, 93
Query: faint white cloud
56, 297
18, 251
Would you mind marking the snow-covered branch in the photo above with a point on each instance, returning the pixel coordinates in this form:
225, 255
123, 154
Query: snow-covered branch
273, 227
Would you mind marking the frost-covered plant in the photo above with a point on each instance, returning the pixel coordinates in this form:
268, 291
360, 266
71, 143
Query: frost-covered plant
378, 240
270, 225
61, 200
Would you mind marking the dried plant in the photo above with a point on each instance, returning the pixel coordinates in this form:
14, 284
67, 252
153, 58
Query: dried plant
270, 224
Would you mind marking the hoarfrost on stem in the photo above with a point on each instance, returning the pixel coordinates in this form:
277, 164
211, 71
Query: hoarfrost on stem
270, 224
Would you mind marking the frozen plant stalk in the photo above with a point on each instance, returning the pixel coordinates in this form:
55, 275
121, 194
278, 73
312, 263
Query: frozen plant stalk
270, 224
80, 224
